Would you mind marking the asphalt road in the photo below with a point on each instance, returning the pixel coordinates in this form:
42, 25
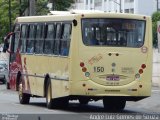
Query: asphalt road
9, 105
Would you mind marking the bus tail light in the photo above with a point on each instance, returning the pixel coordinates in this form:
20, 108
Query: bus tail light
84, 69
82, 64
143, 66
140, 71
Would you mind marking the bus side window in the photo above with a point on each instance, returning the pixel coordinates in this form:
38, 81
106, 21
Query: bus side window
65, 41
49, 39
23, 37
31, 37
16, 37
39, 39
57, 39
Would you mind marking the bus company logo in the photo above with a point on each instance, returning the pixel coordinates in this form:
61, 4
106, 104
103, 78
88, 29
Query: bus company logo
95, 59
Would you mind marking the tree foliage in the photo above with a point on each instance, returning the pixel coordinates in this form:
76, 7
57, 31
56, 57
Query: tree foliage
18, 8
4, 17
41, 7
155, 18
62, 5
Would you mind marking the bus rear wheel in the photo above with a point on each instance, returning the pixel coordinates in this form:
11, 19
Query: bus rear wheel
56, 102
49, 99
4, 80
114, 104
83, 101
24, 98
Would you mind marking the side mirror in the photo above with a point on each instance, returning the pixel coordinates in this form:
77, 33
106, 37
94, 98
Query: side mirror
6, 42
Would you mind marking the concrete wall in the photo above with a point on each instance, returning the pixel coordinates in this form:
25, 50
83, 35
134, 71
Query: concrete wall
146, 7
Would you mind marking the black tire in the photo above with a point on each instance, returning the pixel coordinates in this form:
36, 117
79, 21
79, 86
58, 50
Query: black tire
7, 85
49, 100
24, 98
4, 80
18, 82
54, 103
114, 104
17, 87
83, 101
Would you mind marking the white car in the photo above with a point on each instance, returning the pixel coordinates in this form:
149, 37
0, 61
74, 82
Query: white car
3, 71
1, 49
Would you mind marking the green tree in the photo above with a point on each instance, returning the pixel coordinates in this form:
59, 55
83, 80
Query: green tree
18, 8
4, 17
155, 18
23, 5
41, 7
62, 5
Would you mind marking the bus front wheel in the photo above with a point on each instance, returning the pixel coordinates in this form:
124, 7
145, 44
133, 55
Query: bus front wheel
114, 104
49, 99
23, 97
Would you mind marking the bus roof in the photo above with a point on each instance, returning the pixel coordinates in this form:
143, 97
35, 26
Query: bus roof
71, 15
75, 12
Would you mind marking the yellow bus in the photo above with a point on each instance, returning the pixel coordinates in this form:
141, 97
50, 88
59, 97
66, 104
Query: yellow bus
85, 56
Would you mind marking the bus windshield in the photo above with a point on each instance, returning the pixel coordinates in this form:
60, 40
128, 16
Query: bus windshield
113, 32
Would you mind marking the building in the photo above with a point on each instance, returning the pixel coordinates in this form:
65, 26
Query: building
146, 7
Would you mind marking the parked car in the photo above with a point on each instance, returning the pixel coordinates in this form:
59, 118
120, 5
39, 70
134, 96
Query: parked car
3, 71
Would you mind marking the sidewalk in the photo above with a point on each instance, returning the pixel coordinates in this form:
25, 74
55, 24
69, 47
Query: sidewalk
156, 68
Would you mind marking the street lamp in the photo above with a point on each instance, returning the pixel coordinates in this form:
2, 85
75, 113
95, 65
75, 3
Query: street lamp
120, 4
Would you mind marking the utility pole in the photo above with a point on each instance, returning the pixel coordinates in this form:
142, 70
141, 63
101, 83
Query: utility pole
32, 6
157, 5
120, 6
10, 18
53, 4
20, 9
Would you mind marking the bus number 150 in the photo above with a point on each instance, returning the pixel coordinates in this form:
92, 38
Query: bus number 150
98, 69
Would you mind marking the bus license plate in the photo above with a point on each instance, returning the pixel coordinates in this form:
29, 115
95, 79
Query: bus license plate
113, 78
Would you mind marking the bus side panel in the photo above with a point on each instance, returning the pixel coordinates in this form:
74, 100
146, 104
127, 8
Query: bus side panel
29, 85
57, 69
75, 70
60, 88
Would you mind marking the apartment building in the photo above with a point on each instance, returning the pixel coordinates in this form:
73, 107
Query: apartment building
146, 7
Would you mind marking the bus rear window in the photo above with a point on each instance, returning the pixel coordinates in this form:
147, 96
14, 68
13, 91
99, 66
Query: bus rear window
113, 32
